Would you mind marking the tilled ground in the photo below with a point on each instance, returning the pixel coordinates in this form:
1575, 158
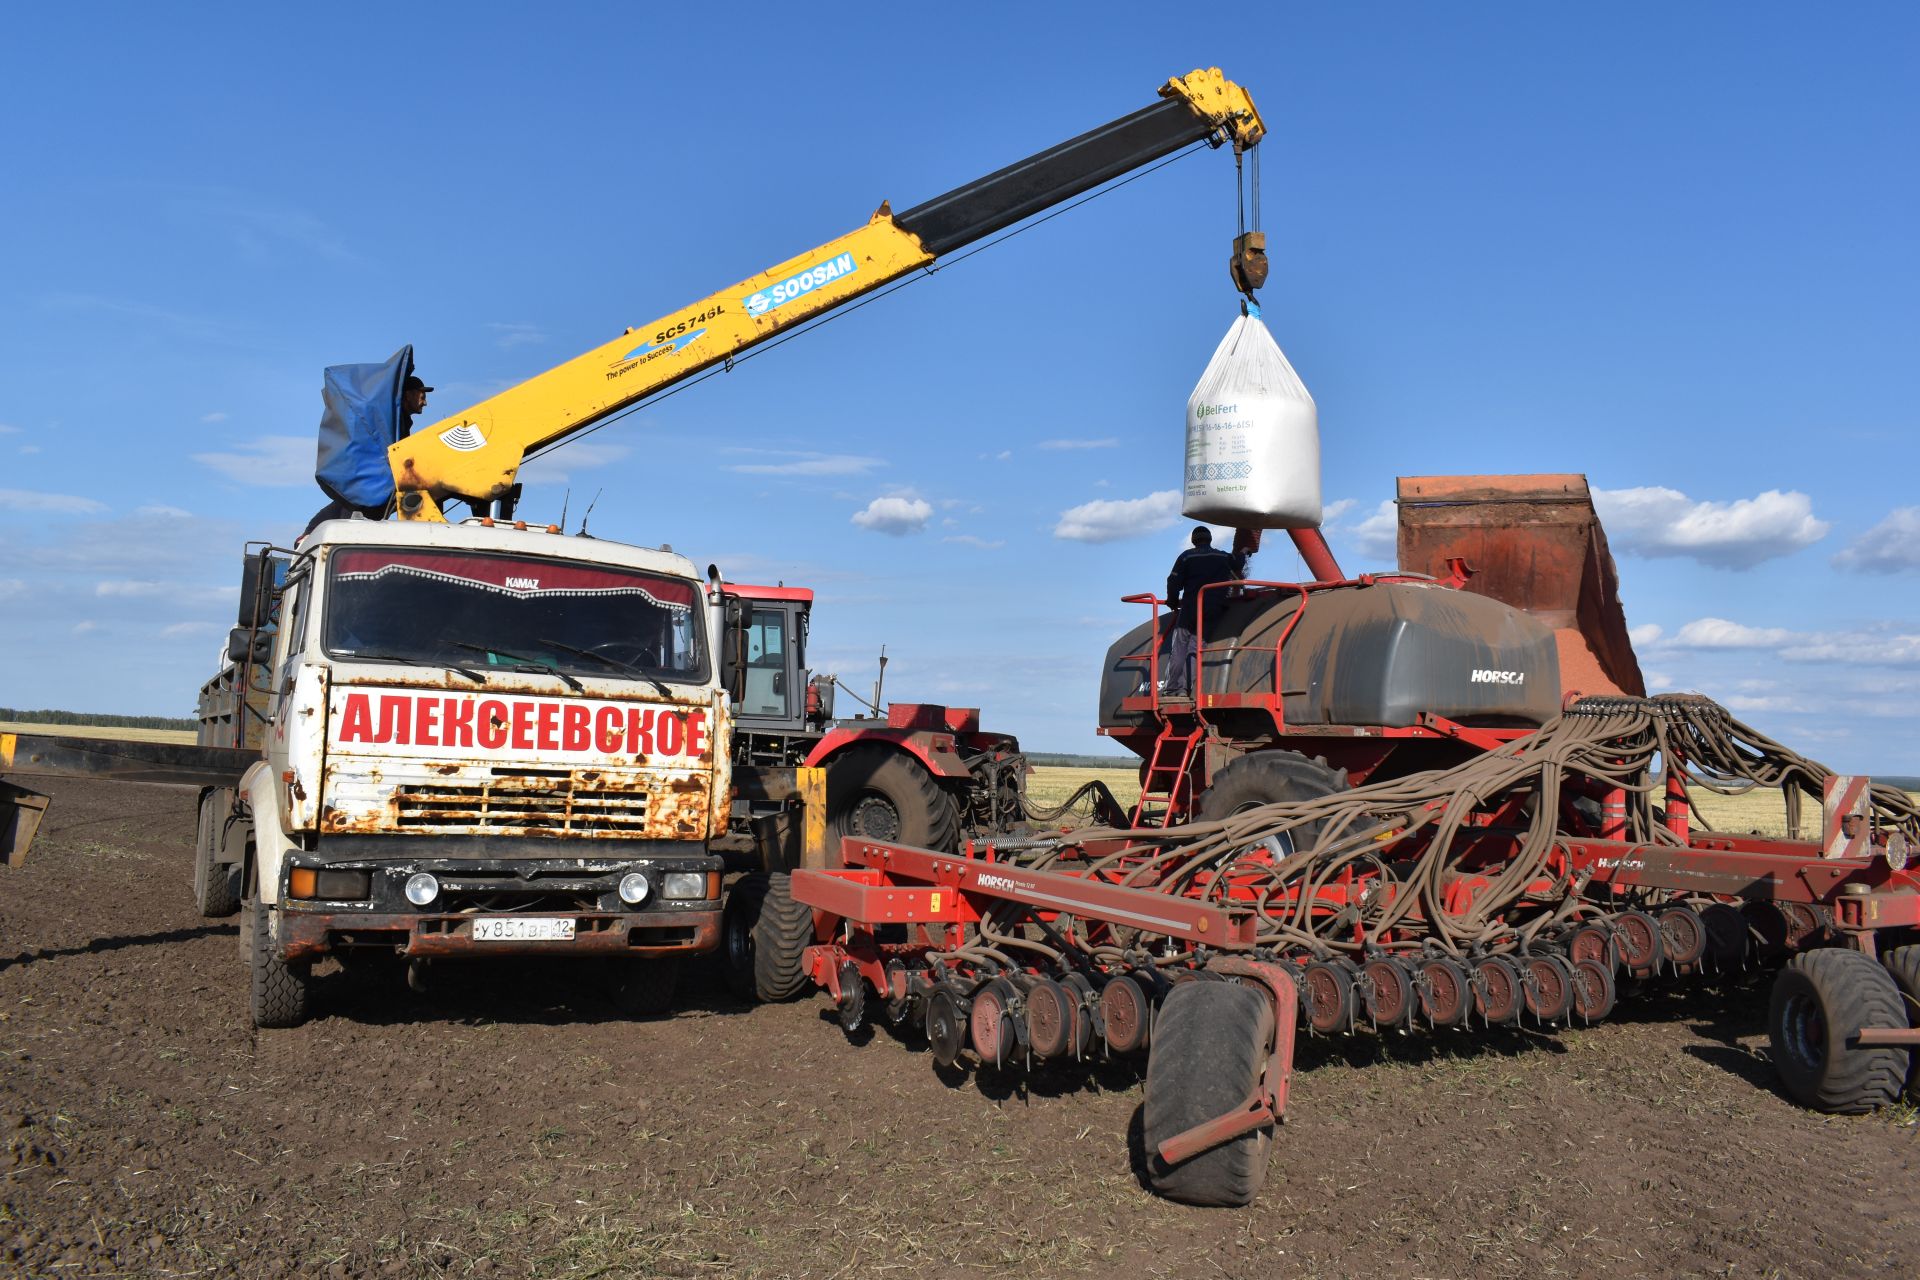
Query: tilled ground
516, 1125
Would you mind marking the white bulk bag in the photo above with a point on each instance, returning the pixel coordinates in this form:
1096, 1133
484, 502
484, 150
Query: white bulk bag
1253, 437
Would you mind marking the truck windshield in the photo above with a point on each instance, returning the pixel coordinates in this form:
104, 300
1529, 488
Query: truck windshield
517, 613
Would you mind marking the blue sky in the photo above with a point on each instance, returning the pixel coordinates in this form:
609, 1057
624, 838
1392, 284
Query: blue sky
1667, 246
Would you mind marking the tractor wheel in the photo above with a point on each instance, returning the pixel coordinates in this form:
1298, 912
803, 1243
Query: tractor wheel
1904, 964
216, 884
279, 990
1821, 1000
885, 794
1265, 777
1210, 1047
764, 938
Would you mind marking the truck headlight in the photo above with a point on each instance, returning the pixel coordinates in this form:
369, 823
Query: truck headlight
686, 884
422, 888
634, 888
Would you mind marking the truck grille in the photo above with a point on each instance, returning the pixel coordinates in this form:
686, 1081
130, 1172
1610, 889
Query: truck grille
557, 803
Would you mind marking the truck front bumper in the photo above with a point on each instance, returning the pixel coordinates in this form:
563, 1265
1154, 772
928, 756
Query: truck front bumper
306, 933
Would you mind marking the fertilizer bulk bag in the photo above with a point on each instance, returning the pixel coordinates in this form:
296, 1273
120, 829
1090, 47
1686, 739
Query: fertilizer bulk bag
1253, 437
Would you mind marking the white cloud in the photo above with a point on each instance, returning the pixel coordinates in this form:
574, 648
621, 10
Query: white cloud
163, 512
1656, 521
6, 430
1111, 519
1334, 510
1892, 546
29, 448
802, 463
10, 587
1646, 633
1869, 648
1718, 633
517, 335
61, 503
1377, 536
1745, 703
972, 540
272, 461
81, 628
1105, 442
179, 629
130, 587
895, 515
1003, 455
213, 417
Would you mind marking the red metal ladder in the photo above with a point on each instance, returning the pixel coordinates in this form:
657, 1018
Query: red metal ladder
1166, 777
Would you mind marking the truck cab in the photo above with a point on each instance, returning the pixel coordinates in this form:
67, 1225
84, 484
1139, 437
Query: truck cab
484, 740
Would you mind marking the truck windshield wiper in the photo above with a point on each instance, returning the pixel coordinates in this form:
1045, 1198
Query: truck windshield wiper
610, 661
474, 676
531, 666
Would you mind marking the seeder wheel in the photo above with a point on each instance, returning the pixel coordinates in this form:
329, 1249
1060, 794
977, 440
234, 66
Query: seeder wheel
1639, 937
1547, 981
1328, 987
1446, 992
946, 1025
1210, 1050
1496, 990
1821, 1000
1051, 1013
1388, 994
1593, 942
1126, 1014
1593, 990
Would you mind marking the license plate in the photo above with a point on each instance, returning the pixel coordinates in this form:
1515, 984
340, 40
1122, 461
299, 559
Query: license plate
521, 929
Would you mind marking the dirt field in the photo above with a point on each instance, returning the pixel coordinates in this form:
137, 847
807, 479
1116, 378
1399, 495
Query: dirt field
516, 1126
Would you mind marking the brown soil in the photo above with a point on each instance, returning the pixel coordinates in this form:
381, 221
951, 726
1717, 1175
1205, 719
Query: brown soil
516, 1125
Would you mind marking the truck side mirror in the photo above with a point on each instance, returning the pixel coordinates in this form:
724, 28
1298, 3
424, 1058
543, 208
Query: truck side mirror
733, 646
260, 573
245, 645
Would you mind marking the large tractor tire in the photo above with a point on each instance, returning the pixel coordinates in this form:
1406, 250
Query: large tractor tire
764, 938
280, 992
1210, 1047
1904, 964
1820, 1002
216, 884
1267, 777
883, 793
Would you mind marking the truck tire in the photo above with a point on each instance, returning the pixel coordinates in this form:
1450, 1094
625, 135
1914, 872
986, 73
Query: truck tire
1210, 1047
1267, 777
279, 991
1904, 964
216, 884
764, 937
885, 794
1820, 1002
643, 988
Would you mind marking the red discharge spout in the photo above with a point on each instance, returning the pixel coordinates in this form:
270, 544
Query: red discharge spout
1314, 550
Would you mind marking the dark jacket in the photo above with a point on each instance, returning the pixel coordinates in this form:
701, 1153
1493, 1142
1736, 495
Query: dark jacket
1195, 568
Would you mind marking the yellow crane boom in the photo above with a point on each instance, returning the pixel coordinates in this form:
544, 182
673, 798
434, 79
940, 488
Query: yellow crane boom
476, 454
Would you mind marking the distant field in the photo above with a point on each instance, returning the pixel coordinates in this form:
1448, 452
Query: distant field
1762, 812
99, 731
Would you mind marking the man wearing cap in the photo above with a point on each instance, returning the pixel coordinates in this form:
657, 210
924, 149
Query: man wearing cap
413, 399
1200, 566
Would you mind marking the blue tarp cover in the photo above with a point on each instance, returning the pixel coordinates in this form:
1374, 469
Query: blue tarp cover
361, 419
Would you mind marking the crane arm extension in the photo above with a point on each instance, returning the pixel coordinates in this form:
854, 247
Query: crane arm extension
477, 453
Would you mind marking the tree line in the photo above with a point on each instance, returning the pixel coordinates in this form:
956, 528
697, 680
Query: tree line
22, 716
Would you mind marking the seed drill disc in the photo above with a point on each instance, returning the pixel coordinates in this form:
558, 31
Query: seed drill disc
1726, 935
1446, 992
990, 1024
1593, 990
1548, 987
1388, 993
1496, 990
853, 998
1592, 942
946, 1026
1683, 936
1050, 1013
1329, 1003
1123, 1010
1080, 994
1639, 937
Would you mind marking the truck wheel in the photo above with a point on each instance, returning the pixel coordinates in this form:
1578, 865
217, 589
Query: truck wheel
1904, 964
1820, 1002
780, 934
1210, 1047
279, 990
884, 794
643, 988
736, 934
216, 884
1266, 777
